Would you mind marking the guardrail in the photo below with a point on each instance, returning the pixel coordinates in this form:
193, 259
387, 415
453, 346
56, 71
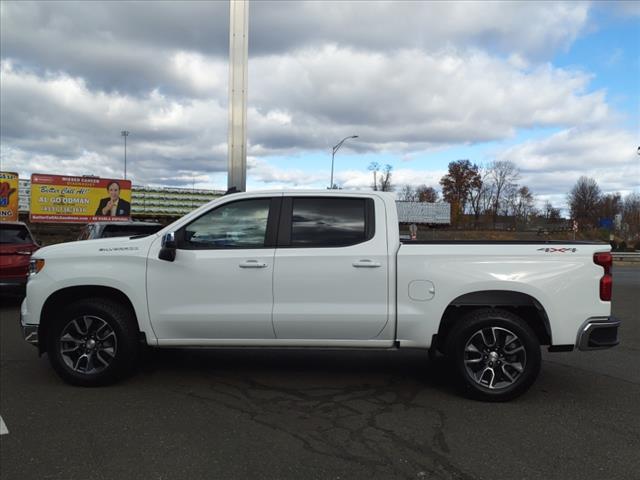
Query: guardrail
626, 256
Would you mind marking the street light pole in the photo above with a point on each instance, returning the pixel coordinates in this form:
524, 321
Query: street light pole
125, 134
333, 154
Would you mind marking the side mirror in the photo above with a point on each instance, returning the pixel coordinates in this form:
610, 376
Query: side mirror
169, 245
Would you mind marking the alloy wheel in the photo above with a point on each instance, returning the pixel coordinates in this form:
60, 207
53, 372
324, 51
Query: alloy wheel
88, 344
495, 357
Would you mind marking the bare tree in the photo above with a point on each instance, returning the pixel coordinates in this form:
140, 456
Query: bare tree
385, 179
478, 194
584, 201
503, 175
550, 213
427, 194
523, 204
631, 213
509, 199
375, 168
486, 199
408, 194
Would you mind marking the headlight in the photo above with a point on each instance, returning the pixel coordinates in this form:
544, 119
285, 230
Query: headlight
35, 265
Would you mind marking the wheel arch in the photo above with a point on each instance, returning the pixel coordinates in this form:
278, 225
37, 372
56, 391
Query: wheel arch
63, 297
519, 303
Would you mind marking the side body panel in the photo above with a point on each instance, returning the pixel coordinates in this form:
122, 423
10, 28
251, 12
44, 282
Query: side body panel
335, 293
205, 294
117, 263
564, 281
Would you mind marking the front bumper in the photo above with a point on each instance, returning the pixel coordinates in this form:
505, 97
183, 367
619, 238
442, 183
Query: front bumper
597, 333
30, 334
29, 331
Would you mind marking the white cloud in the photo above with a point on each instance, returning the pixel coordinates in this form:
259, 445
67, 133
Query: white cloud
575, 148
408, 100
401, 102
552, 165
262, 174
407, 77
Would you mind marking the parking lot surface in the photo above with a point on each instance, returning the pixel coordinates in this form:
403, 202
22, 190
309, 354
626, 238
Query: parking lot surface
324, 414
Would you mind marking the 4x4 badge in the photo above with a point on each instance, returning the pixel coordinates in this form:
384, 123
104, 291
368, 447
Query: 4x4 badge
557, 250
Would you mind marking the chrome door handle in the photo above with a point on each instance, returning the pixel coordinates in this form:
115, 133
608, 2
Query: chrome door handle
366, 264
252, 264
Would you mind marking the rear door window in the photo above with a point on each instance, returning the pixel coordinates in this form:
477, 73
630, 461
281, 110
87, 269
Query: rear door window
330, 222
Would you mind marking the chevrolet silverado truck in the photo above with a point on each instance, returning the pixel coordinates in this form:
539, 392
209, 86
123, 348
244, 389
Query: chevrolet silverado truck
321, 269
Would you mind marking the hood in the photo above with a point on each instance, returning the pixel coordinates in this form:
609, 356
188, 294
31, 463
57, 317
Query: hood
88, 248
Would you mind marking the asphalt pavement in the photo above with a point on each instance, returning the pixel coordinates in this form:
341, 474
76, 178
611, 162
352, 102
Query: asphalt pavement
328, 415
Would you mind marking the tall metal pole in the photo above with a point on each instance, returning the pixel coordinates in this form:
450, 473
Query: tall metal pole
238, 75
125, 134
333, 154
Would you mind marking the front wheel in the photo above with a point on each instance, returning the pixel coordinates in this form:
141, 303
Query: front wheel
93, 342
495, 355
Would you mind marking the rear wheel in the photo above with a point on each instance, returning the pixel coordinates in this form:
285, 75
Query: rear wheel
495, 355
93, 342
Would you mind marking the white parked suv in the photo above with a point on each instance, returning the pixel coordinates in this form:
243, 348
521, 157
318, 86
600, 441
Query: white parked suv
321, 269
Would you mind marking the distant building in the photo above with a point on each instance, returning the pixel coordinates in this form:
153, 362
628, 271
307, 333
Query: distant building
422, 213
168, 200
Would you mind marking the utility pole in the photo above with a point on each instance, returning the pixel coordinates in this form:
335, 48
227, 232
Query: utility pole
125, 134
333, 154
238, 74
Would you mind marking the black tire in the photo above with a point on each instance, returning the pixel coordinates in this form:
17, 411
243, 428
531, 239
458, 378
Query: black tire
495, 373
109, 347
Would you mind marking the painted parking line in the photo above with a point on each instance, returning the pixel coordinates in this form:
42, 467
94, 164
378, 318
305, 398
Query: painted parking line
3, 427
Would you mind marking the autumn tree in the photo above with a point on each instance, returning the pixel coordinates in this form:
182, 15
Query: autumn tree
427, 194
611, 205
461, 177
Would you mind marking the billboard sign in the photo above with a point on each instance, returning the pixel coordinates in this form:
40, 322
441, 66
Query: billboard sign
8, 196
67, 199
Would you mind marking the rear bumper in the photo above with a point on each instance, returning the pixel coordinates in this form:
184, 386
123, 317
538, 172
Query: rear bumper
598, 333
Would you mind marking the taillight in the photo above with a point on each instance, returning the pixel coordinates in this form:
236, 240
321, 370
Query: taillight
605, 260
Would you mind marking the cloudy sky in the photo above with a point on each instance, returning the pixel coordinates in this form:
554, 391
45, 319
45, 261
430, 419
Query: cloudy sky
553, 87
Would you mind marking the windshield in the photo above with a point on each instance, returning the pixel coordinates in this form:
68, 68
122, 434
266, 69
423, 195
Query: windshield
14, 234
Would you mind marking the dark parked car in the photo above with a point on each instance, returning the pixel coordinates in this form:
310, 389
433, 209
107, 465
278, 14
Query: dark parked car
118, 229
16, 246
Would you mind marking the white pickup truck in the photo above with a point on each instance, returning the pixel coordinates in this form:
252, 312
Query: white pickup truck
320, 269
